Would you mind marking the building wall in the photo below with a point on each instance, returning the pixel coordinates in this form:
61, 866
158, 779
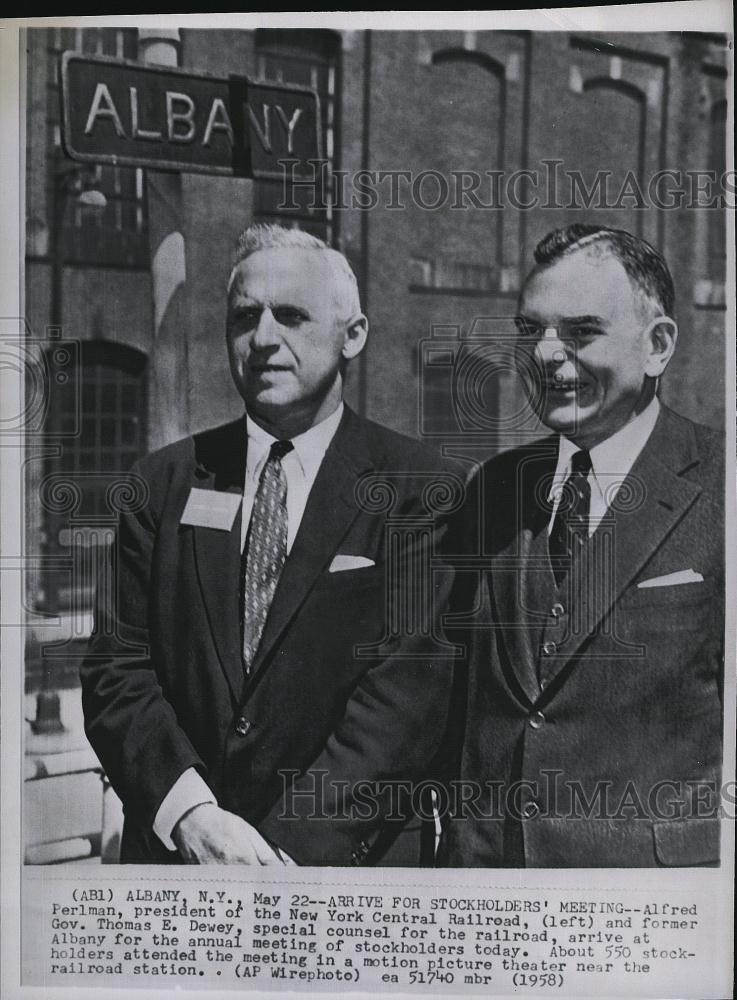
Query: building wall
637, 103
441, 101
215, 211
433, 265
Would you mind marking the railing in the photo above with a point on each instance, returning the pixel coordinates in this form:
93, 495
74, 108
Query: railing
78, 844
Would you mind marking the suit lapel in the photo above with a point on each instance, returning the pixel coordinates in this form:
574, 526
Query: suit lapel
662, 497
511, 539
221, 464
330, 511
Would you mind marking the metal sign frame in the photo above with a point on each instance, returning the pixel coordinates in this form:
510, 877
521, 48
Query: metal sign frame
178, 166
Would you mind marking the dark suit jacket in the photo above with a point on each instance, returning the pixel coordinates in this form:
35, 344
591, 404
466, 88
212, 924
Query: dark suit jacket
163, 683
631, 691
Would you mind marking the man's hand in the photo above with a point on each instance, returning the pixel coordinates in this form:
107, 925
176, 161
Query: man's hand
210, 835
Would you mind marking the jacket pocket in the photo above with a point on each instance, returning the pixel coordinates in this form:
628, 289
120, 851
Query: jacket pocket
687, 842
675, 596
685, 608
353, 579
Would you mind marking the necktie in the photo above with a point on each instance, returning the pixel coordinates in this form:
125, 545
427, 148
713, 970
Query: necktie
571, 524
266, 549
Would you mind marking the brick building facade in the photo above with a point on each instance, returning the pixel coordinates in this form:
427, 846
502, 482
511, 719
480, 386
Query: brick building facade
451, 153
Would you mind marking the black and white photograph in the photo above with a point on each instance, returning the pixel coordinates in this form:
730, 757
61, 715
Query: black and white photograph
368, 482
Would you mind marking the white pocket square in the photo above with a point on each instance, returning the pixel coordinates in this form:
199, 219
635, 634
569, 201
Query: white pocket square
672, 579
341, 563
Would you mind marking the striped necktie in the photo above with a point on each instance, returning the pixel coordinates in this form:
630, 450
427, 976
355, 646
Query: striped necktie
266, 549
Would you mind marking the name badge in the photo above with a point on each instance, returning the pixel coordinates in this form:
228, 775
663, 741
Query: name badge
210, 509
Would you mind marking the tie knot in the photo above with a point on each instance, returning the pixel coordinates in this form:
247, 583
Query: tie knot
581, 463
279, 449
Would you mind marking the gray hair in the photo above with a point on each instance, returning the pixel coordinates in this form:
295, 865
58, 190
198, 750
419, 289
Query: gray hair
263, 236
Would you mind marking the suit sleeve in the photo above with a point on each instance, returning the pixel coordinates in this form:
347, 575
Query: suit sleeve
130, 724
366, 782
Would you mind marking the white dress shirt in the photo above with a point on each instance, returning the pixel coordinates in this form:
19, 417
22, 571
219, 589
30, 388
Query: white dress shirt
301, 466
611, 463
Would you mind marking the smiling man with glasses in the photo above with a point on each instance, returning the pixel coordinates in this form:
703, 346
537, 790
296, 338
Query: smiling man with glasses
594, 699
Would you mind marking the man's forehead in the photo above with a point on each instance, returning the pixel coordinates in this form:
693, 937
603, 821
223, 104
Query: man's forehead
289, 271
585, 282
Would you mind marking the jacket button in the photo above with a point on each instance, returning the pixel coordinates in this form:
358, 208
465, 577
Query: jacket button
537, 720
242, 726
549, 648
530, 810
557, 610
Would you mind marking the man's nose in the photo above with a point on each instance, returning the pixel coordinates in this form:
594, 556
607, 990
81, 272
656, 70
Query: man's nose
266, 331
550, 349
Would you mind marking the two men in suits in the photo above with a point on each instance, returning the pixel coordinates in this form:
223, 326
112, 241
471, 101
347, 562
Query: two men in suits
243, 688
594, 620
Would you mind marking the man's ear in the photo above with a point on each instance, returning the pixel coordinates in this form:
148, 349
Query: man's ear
661, 334
356, 333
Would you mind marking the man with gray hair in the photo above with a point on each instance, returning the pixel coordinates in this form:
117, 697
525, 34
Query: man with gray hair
256, 721
594, 700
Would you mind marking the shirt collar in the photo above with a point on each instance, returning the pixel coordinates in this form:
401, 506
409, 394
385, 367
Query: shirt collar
617, 454
309, 447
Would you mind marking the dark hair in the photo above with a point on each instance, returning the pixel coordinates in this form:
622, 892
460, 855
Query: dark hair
643, 264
